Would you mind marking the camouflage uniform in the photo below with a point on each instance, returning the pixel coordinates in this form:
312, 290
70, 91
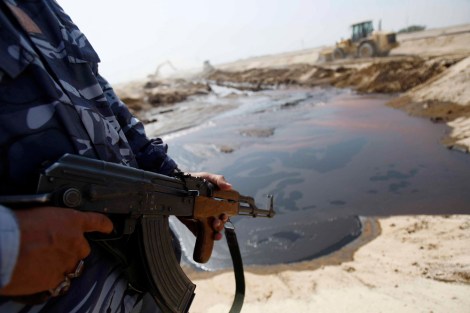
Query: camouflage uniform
53, 101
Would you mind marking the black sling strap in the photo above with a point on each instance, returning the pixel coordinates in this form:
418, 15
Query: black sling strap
237, 268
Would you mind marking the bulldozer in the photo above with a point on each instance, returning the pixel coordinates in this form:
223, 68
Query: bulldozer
364, 43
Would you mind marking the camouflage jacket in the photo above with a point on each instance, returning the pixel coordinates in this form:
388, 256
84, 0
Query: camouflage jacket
53, 101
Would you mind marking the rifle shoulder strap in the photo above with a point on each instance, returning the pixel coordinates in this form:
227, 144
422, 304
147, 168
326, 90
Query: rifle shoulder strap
234, 249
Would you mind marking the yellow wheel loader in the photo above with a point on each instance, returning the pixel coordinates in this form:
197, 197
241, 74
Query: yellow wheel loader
364, 43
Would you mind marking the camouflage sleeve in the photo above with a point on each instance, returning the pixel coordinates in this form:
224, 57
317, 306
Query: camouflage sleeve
9, 244
151, 154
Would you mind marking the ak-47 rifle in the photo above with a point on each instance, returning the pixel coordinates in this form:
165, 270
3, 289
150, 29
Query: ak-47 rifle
139, 204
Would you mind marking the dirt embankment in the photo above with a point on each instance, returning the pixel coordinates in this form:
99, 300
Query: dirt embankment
141, 96
429, 72
390, 75
435, 87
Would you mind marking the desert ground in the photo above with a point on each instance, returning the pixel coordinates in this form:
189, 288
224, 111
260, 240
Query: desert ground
416, 264
400, 263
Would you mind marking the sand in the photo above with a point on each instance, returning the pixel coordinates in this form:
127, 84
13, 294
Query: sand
416, 264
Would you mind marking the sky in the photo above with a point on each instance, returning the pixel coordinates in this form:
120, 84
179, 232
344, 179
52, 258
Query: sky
134, 37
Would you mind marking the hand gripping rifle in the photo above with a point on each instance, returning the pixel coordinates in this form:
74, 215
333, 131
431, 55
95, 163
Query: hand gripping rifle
139, 204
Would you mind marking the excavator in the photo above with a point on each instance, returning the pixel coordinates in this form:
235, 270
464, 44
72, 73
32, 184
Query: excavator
364, 43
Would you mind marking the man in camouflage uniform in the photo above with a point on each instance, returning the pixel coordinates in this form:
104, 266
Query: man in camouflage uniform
53, 101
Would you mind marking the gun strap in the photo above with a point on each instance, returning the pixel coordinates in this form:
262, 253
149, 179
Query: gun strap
237, 268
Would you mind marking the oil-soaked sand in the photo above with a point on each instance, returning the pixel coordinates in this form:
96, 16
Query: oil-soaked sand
327, 156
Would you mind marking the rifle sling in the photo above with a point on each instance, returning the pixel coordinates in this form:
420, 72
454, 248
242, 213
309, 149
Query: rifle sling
237, 269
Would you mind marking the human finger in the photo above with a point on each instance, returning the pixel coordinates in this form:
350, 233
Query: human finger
216, 179
222, 183
83, 248
92, 222
218, 223
218, 236
224, 217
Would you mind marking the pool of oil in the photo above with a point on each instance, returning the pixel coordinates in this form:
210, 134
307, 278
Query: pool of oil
328, 157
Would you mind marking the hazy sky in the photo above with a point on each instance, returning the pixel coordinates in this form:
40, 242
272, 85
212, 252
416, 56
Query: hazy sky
134, 37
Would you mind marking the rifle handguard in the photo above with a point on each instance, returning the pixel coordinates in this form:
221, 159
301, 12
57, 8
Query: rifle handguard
205, 210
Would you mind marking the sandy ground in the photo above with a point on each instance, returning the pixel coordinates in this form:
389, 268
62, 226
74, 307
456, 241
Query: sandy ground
416, 264
403, 263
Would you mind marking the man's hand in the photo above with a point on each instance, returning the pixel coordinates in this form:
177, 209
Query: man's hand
218, 180
219, 221
52, 244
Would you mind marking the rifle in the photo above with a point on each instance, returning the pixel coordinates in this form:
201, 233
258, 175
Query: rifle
139, 204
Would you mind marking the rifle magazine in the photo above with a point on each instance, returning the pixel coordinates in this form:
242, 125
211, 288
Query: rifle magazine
169, 285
